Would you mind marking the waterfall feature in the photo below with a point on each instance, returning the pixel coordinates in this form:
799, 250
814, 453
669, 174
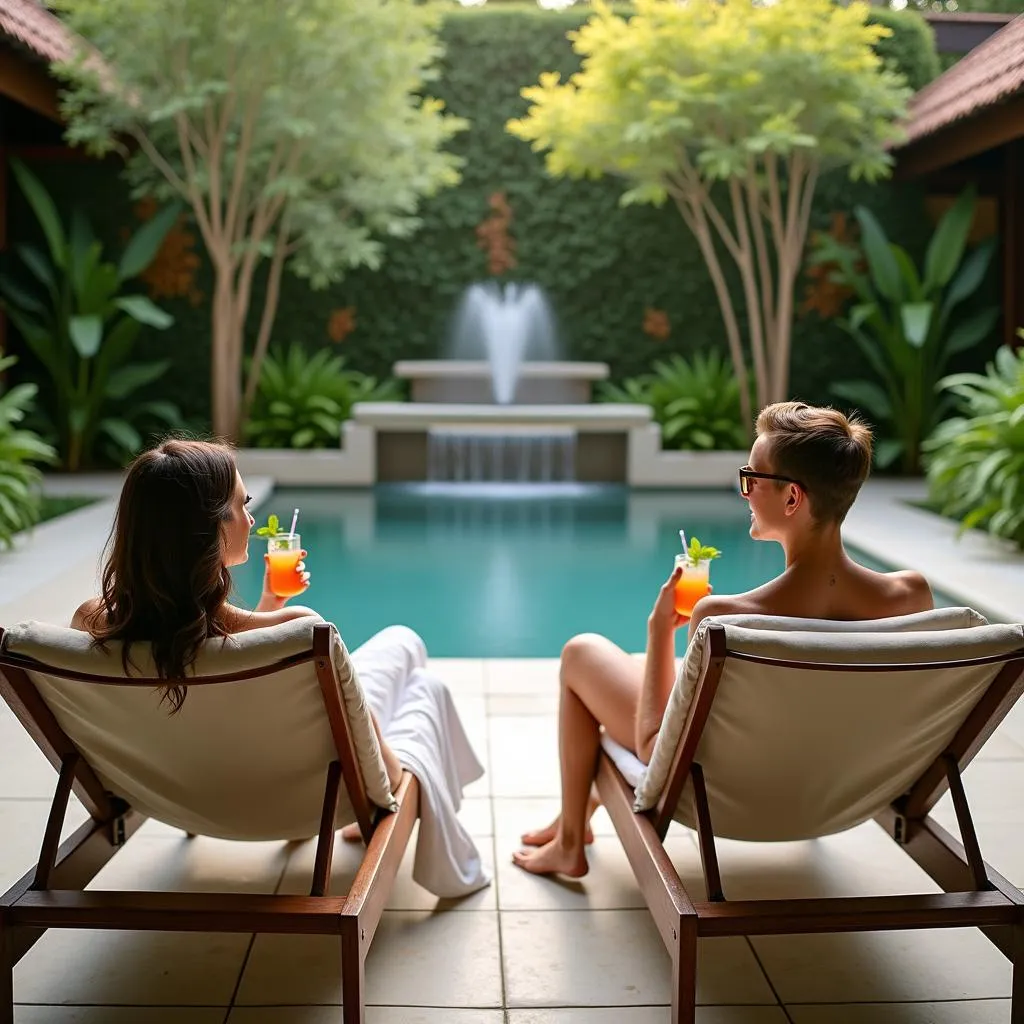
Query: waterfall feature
513, 454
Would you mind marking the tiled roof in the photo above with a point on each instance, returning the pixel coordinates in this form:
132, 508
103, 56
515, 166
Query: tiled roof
29, 23
989, 74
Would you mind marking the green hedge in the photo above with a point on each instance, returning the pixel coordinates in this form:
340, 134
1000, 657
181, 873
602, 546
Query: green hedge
602, 265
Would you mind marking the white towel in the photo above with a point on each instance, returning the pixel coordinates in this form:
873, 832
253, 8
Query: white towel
419, 721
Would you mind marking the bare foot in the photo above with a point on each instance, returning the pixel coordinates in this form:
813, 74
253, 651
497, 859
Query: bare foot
351, 833
545, 835
552, 859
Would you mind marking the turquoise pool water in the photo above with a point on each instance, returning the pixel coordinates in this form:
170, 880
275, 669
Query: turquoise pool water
504, 573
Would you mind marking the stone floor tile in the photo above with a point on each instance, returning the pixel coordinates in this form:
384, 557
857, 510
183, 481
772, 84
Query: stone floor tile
22, 824
614, 958
118, 1015
374, 1015
409, 964
901, 966
647, 1015
522, 675
24, 771
131, 968
464, 676
524, 756
499, 704
863, 861
169, 863
979, 1011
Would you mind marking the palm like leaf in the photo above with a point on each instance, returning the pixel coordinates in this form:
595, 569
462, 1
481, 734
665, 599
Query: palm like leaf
303, 399
696, 401
975, 460
907, 325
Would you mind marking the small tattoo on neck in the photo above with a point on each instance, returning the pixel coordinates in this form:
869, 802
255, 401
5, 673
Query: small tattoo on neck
831, 581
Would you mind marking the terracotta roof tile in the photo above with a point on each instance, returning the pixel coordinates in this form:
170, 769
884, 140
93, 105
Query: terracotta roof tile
989, 74
34, 27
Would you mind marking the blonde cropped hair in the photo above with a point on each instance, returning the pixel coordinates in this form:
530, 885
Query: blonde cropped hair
828, 452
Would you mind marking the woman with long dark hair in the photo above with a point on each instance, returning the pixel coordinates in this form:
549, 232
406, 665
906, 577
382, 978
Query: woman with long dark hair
182, 522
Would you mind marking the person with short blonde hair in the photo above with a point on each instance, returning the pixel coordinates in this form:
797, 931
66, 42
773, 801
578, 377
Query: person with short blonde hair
806, 467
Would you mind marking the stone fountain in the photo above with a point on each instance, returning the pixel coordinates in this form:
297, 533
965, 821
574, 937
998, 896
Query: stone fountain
502, 406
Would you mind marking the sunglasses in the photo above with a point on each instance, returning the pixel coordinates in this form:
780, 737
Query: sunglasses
747, 474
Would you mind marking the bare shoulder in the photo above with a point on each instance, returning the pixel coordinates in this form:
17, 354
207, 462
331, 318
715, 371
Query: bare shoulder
723, 604
910, 591
241, 620
85, 614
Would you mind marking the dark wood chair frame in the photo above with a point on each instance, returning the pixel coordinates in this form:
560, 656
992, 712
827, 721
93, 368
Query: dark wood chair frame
974, 895
52, 895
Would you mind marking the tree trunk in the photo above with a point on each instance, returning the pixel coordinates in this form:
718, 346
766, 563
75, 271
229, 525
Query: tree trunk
226, 364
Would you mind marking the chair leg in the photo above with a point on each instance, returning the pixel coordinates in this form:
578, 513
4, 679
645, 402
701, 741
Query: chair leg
1017, 991
6, 974
684, 975
353, 973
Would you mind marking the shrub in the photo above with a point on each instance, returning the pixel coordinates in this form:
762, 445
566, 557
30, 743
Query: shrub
80, 322
302, 400
696, 401
909, 323
976, 459
19, 451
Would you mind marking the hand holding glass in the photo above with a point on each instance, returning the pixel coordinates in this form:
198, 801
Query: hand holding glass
692, 585
284, 553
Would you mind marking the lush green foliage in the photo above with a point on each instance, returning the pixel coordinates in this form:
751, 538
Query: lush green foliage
81, 324
910, 46
976, 458
293, 130
677, 98
696, 401
600, 264
302, 400
908, 323
20, 450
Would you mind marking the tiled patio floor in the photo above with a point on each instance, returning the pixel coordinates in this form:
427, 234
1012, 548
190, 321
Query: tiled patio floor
526, 950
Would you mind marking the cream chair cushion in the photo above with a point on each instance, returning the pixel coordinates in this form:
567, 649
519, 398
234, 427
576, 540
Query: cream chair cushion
794, 753
241, 760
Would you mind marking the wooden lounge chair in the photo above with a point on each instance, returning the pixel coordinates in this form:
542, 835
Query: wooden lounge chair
274, 741
791, 729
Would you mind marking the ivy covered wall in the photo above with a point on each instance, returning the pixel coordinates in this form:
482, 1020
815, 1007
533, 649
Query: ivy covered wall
607, 270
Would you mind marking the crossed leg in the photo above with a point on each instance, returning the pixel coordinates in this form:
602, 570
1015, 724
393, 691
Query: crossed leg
600, 685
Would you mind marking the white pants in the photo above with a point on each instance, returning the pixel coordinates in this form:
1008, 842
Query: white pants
419, 721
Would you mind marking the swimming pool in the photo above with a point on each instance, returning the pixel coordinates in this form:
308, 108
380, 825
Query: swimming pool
503, 571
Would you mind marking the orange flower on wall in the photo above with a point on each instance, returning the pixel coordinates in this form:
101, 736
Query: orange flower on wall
493, 237
341, 324
172, 274
657, 324
822, 296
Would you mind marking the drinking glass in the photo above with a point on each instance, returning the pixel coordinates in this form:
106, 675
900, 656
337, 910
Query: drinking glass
692, 585
285, 552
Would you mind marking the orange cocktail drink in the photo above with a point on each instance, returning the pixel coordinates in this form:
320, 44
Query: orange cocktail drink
692, 585
284, 552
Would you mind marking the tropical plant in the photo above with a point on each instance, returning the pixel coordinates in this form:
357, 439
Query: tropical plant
81, 324
908, 323
976, 459
732, 110
20, 449
298, 132
696, 401
303, 399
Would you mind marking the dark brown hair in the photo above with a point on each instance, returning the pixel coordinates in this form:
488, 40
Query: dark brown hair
164, 579
828, 452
